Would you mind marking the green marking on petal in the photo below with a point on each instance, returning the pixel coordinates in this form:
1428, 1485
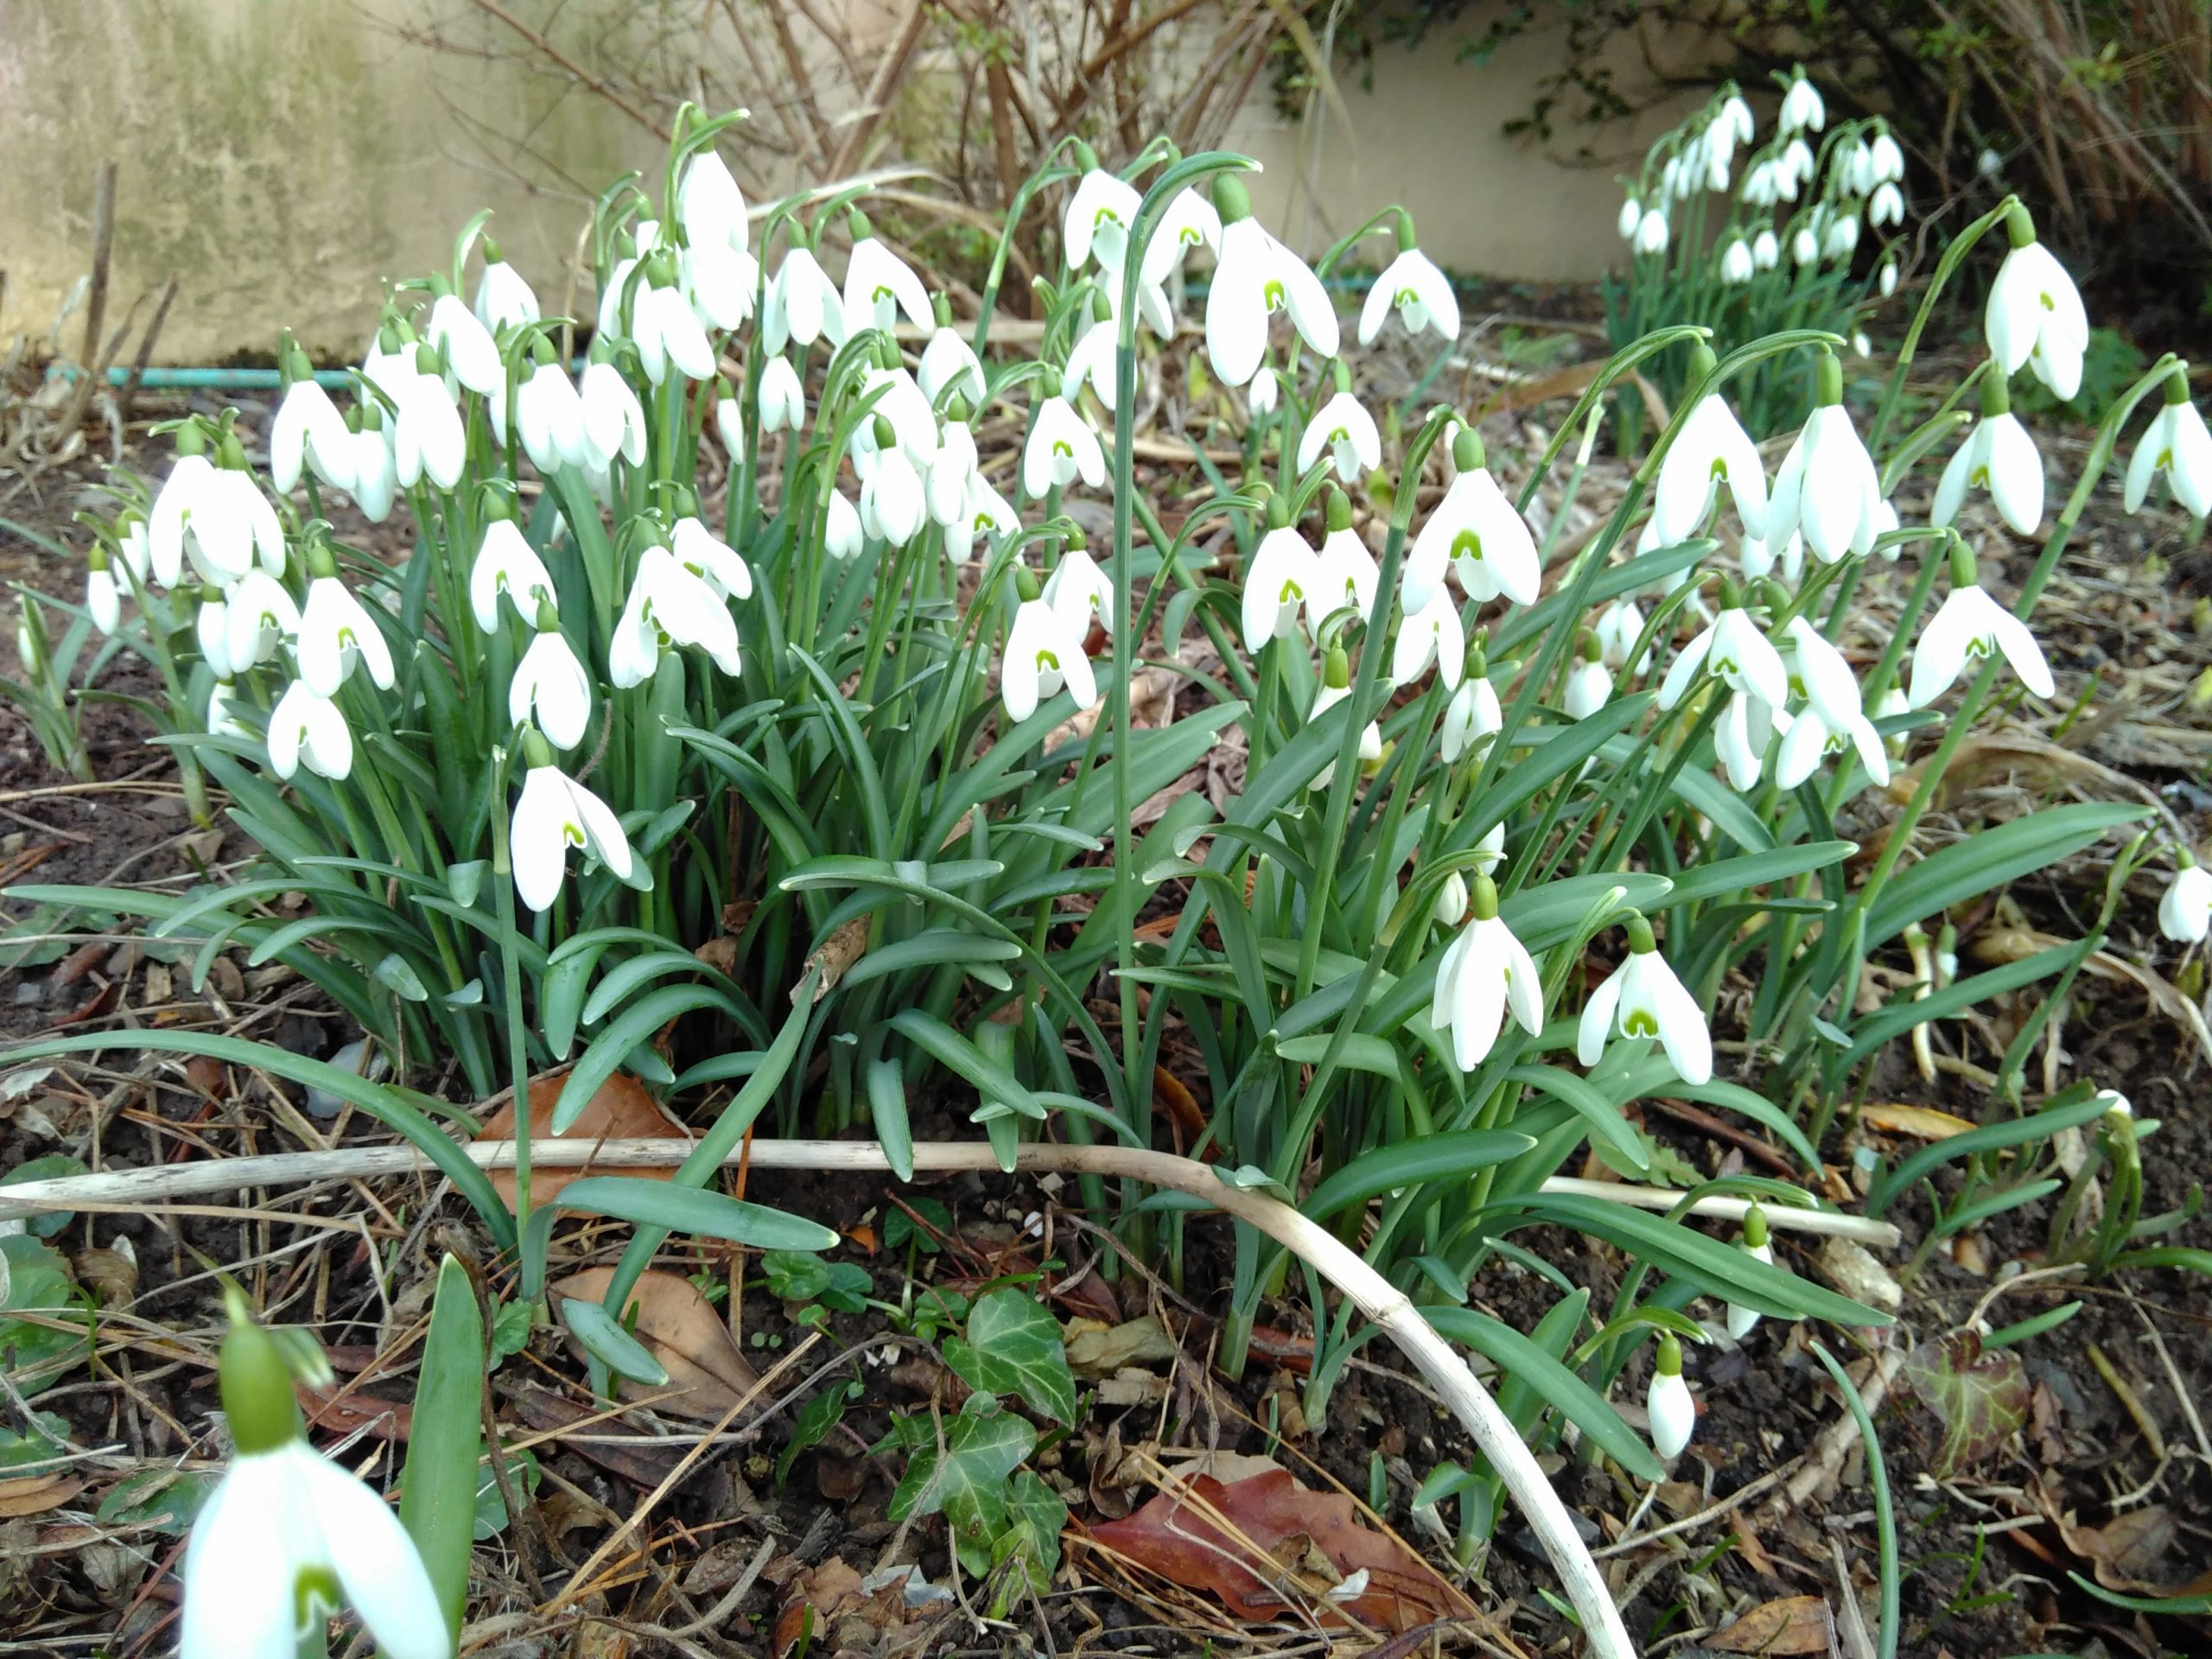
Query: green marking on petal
1273, 293
1639, 1022
1467, 545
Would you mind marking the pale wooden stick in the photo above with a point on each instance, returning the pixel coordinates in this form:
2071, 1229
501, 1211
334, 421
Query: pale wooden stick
161, 1182
1376, 1297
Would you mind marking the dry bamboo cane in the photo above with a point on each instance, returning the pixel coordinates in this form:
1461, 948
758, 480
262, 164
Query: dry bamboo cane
1315, 1245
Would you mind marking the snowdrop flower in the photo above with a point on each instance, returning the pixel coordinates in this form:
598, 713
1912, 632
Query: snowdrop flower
1887, 206
286, 1533
1999, 456
948, 363
1619, 625
1741, 735
309, 431
427, 438
711, 205
2034, 315
1711, 449
1451, 902
1736, 262
1766, 251
1828, 488
669, 605
1819, 671
1652, 232
554, 814
1589, 687
103, 601
706, 555
195, 508
507, 564
615, 421
1277, 580
1061, 448
373, 477
1336, 686
1802, 107
1263, 394
782, 398
1485, 973
1815, 735
951, 471
1759, 558
666, 330
257, 612
1345, 576
803, 304
336, 631
1642, 998
1887, 282
464, 344
1432, 633
1092, 358
1804, 246
841, 533
305, 726
1475, 529
1794, 167
1473, 716
2185, 908
2177, 444
1254, 276
1743, 1320
1887, 158
988, 513
551, 685
1733, 124
1969, 629
1736, 652
504, 298
1667, 1406
894, 506
1412, 283
549, 419
1079, 589
1189, 221
210, 627
1347, 431
879, 285
1631, 215
222, 720
1100, 215
1891, 704
1044, 652
1842, 237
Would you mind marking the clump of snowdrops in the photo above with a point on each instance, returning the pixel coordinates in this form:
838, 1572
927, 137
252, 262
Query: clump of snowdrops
754, 671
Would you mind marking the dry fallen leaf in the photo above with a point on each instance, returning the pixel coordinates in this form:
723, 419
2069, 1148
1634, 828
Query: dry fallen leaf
2122, 1552
707, 1376
1795, 1624
830, 1610
36, 1494
1265, 1543
1923, 1122
1095, 1351
621, 1110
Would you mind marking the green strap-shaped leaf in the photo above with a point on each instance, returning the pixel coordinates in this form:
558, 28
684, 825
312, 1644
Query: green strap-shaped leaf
437, 1502
1583, 1406
1988, 860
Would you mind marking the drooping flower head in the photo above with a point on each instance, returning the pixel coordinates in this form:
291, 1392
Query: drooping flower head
2177, 444
1972, 628
1998, 456
1412, 283
553, 815
2034, 316
1485, 973
1828, 488
1476, 532
1254, 277
1641, 998
1667, 1406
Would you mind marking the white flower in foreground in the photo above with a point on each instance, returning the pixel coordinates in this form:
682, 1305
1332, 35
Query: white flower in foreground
1471, 719
210, 627
669, 605
704, 554
1821, 671
103, 601
1743, 1320
803, 304
842, 534
667, 332
507, 564
2034, 315
175, 505
1476, 531
1485, 973
1188, 222
222, 699
1711, 449
309, 431
1347, 432
1642, 998
783, 399
1413, 283
1734, 649
1736, 265
1804, 246
1814, 736
1256, 276
615, 421
554, 814
1344, 576
1802, 107
988, 513
1336, 686
950, 473
1044, 652
1999, 456
1741, 738
2185, 908
1667, 1406
336, 631
549, 419
551, 684
1827, 488
257, 611
879, 285
1619, 625
1589, 686
1079, 590
1970, 628
1887, 206
1842, 237
948, 363
1061, 448
1100, 214
711, 205
894, 504
1278, 578
466, 345
2177, 444
1766, 251
1652, 232
1092, 358
1264, 393
286, 1533
305, 726
503, 296
1433, 633
427, 438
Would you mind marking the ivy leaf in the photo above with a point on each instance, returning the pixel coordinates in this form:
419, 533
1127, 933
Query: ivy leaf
900, 1230
1034, 1518
1980, 1398
815, 1419
982, 1446
510, 1329
35, 1280
1013, 1347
